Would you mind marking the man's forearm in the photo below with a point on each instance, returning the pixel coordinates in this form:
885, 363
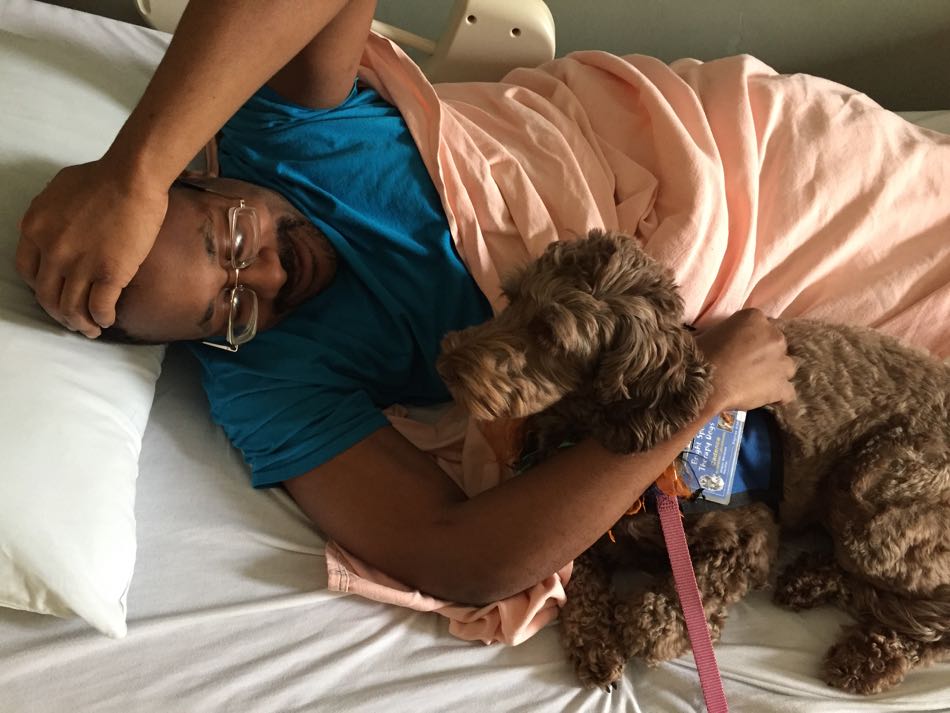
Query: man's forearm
548, 515
222, 52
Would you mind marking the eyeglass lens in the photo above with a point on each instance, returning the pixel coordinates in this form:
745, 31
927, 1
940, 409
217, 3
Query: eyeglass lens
246, 236
243, 314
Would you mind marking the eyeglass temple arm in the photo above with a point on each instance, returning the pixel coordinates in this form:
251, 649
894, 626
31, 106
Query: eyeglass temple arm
223, 347
211, 157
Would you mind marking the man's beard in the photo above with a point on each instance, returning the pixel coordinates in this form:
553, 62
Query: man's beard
291, 225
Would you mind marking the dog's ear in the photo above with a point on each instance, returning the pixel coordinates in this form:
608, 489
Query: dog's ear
652, 375
647, 338
555, 297
660, 400
634, 348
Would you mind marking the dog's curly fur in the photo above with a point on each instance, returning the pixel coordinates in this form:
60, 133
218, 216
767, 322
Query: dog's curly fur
592, 345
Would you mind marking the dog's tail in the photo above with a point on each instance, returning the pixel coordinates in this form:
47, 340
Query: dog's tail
922, 617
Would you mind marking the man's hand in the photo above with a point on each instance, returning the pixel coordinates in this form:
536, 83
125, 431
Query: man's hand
751, 365
83, 239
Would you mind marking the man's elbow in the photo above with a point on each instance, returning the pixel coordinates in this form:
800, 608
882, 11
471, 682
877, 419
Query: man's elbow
476, 581
477, 593
491, 590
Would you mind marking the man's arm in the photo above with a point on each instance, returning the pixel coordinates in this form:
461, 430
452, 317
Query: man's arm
84, 237
322, 73
221, 53
392, 506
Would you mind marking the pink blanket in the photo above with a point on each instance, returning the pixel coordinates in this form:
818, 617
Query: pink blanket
788, 193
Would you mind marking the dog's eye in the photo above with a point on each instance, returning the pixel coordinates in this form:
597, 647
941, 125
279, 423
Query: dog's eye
554, 327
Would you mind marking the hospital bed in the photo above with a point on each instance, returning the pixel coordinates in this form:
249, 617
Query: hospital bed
228, 608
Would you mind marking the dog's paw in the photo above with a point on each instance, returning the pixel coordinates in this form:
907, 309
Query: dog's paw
808, 582
600, 674
653, 628
868, 662
587, 636
599, 667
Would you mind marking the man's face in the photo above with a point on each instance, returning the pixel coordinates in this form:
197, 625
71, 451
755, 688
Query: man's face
182, 290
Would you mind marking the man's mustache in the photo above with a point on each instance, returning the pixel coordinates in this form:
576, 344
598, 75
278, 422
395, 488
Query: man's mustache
285, 253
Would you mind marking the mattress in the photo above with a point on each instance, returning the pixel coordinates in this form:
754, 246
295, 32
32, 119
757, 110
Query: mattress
228, 608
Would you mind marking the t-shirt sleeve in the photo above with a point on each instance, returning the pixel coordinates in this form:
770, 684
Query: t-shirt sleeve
285, 429
266, 110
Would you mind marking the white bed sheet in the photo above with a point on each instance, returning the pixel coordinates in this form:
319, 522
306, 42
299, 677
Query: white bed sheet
228, 608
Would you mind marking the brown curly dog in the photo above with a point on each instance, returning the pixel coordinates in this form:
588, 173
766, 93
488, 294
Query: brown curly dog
592, 345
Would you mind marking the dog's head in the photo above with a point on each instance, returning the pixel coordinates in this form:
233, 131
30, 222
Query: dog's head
596, 316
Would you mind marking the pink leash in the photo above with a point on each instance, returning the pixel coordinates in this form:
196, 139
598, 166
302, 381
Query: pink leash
691, 603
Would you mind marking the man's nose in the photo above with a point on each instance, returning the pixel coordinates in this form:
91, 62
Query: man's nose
265, 275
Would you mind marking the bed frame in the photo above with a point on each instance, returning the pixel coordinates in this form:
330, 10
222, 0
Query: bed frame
484, 39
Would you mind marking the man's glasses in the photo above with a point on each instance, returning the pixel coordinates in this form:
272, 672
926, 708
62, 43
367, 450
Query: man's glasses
241, 250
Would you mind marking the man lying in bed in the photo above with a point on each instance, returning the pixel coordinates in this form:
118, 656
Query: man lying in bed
336, 283
369, 307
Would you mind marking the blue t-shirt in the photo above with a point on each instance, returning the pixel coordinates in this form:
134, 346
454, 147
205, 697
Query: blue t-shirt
314, 385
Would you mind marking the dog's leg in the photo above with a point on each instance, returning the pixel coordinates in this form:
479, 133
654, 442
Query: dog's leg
888, 508
652, 625
588, 632
732, 551
896, 634
811, 580
887, 515
873, 659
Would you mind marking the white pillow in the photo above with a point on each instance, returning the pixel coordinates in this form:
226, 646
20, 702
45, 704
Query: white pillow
72, 411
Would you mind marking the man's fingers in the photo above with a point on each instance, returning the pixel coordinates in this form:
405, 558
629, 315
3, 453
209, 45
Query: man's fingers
75, 301
792, 368
102, 300
27, 261
74, 306
48, 288
790, 394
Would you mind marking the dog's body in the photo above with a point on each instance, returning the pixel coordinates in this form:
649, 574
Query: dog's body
593, 346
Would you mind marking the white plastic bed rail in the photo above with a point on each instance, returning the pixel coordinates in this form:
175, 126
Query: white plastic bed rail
484, 39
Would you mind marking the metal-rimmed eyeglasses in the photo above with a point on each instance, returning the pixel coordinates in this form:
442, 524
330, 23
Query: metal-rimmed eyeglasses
241, 250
